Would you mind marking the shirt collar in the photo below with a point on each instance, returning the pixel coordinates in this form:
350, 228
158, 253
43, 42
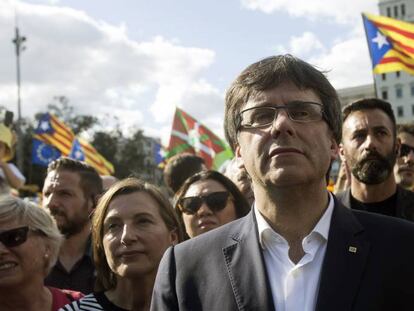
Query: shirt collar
322, 227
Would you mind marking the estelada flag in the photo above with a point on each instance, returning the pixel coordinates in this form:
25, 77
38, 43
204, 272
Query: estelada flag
84, 151
390, 42
54, 132
189, 135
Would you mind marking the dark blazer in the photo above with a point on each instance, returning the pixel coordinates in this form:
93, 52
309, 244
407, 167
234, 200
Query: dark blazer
224, 269
404, 207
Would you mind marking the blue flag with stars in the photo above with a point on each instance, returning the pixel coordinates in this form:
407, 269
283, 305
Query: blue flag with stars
159, 154
43, 154
77, 151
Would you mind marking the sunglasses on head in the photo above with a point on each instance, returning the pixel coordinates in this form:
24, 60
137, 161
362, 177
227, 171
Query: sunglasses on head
14, 237
216, 201
405, 150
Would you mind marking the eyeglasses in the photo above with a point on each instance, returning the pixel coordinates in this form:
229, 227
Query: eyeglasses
405, 150
216, 201
14, 237
298, 111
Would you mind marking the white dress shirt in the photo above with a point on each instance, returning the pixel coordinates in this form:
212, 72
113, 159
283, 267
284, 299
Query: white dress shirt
294, 286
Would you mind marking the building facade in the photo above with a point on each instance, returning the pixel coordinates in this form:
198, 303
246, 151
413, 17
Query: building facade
351, 94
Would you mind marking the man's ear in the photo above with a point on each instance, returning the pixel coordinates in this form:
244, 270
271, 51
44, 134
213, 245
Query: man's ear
174, 237
334, 149
237, 151
92, 202
397, 146
341, 152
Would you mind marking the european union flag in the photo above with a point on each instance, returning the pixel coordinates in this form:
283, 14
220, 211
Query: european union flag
77, 151
43, 154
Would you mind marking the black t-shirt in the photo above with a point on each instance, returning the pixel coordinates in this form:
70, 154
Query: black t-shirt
386, 207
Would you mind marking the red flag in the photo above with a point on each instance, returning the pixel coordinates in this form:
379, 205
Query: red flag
189, 135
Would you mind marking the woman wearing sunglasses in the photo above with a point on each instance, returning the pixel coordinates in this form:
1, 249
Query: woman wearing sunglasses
132, 226
29, 246
208, 200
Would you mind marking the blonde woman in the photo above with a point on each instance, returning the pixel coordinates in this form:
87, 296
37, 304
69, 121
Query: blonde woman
29, 246
132, 226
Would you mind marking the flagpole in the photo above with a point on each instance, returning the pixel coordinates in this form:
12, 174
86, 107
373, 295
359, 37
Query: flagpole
18, 41
370, 56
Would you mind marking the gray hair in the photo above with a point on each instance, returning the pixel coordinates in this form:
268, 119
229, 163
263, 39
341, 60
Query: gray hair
36, 218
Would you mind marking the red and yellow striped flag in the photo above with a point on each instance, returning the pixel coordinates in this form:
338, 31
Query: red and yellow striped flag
54, 132
390, 42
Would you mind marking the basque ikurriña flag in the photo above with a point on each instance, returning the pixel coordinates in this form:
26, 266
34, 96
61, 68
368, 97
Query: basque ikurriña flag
390, 42
189, 135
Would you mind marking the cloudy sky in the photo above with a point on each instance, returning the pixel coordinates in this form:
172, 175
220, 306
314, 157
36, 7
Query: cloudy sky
137, 60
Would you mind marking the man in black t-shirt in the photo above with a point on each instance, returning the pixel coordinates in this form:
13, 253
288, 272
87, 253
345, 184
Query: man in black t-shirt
370, 148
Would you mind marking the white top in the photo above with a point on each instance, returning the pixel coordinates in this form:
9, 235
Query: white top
15, 171
294, 286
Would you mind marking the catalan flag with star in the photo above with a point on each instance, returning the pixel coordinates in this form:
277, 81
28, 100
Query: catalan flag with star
53, 138
390, 42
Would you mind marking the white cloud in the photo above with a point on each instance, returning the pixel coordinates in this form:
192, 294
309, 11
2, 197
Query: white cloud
346, 60
341, 10
302, 46
99, 68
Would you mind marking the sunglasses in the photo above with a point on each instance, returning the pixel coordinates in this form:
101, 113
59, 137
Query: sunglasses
216, 201
405, 150
14, 237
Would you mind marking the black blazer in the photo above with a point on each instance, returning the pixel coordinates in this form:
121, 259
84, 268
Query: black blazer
369, 265
404, 206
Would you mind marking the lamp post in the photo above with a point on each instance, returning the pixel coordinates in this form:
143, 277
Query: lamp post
18, 42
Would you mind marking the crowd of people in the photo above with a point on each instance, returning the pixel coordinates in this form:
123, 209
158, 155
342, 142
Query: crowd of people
264, 234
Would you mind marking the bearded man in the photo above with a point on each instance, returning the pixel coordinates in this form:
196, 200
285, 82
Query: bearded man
70, 192
370, 148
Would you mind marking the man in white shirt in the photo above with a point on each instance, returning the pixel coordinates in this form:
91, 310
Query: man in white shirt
299, 249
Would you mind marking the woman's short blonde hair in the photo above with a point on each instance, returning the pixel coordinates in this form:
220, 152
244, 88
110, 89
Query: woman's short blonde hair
36, 218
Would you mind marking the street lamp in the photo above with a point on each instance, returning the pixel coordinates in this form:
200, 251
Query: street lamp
18, 42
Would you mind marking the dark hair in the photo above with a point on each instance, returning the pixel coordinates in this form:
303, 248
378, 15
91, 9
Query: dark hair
181, 166
241, 205
370, 104
270, 73
406, 128
90, 181
104, 278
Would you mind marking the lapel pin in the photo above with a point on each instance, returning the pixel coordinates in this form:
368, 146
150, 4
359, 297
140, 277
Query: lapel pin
352, 249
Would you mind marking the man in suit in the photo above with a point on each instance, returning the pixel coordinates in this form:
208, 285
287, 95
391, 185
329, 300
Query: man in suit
299, 248
371, 148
